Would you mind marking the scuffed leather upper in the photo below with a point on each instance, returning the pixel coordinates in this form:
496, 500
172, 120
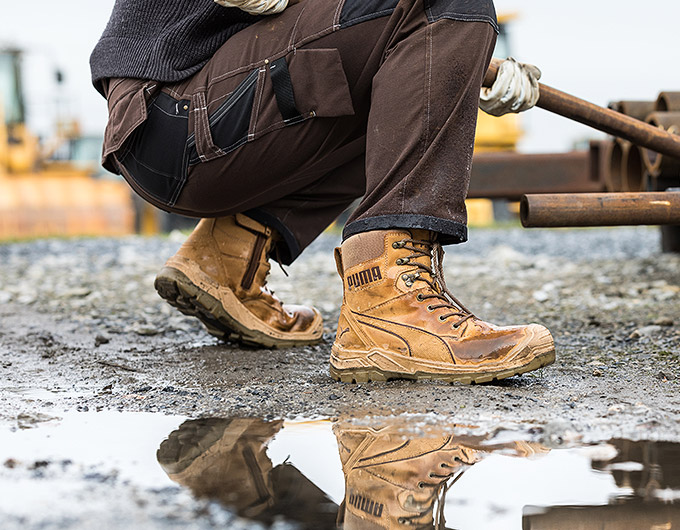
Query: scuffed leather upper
228, 248
384, 307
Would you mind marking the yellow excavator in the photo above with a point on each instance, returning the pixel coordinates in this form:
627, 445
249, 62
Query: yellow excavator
51, 189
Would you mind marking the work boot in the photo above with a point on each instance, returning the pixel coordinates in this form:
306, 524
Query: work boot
219, 276
398, 319
392, 481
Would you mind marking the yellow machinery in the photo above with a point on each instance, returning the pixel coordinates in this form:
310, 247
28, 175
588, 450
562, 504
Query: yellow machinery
494, 134
47, 192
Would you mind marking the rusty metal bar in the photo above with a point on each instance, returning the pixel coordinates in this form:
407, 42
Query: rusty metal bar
602, 119
510, 175
600, 209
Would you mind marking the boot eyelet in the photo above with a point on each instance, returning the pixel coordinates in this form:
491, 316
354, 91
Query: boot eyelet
405, 277
402, 261
429, 309
455, 326
420, 298
401, 520
397, 244
421, 485
408, 284
430, 475
442, 318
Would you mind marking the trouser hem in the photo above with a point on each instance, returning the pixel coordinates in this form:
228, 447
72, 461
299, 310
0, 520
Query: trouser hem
288, 247
450, 232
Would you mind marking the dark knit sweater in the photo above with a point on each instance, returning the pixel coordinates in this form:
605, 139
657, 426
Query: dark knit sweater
162, 40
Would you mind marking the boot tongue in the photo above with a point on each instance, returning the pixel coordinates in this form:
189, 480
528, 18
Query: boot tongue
423, 235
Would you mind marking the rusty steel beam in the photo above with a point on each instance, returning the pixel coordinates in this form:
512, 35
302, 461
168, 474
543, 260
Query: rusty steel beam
600, 209
599, 118
510, 175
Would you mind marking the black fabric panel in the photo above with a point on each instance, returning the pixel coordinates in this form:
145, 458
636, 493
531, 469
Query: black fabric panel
464, 10
356, 11
155, 153
283, 89
231, 128
450, 232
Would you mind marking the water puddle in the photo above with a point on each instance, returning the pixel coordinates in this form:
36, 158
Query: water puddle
371, 473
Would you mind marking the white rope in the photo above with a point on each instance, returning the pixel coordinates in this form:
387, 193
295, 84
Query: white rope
515, 89
256, 7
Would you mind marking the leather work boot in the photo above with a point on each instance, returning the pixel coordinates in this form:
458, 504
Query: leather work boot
219, 276
392, 481
398, 319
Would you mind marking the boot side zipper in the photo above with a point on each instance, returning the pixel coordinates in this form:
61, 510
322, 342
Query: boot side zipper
254, 262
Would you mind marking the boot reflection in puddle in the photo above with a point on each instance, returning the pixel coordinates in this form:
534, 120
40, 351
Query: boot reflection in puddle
226, 460
396, 481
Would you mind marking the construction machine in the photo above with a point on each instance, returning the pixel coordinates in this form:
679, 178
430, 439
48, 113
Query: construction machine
50, 188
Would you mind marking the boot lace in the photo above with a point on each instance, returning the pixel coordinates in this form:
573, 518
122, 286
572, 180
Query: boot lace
438, 290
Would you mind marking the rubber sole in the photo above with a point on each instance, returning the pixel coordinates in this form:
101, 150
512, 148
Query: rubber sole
181, 293
468, 378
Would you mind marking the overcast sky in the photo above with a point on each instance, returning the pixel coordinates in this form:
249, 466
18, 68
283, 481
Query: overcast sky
600, 50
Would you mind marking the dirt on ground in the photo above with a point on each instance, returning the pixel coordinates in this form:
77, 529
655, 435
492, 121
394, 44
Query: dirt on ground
81, 328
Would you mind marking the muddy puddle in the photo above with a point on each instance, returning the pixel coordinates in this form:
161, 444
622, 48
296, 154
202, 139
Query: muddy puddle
154, 471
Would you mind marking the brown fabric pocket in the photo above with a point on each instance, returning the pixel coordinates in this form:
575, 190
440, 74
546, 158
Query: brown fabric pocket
127, 102
319, 87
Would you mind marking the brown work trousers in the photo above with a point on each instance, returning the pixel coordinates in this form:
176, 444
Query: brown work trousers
301, 113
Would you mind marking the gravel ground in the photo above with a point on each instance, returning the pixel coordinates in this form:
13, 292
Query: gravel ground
81, 320
82, 329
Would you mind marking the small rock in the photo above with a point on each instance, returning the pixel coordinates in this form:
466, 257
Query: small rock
145, 329
597, 372
333, 396
646, 331
540, 296
663, 321
101, 339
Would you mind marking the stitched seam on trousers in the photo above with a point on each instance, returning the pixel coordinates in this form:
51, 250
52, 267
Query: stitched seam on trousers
280, 125
204, 124
428, 92
273, 57
370, 16
463, 17
224, 150
338, 12
257, 102
291, 43
154, 170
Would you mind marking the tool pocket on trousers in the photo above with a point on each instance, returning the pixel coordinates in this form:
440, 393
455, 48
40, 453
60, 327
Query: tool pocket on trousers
301, 85
155, 154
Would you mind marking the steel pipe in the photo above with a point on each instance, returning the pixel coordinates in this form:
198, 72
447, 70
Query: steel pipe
510, 175
600, 209
618, 157
606, 120
660, 164
668, 102
635, 109
635, 175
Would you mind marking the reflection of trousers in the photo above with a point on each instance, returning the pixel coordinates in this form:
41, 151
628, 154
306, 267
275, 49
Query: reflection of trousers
299, 114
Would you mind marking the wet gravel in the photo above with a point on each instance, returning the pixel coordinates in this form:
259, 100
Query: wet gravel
82, 329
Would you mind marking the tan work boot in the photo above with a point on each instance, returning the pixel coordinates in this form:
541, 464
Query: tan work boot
398, 320
219, 276
394, 482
